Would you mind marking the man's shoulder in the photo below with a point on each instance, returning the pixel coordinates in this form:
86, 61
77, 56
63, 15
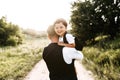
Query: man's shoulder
52, 46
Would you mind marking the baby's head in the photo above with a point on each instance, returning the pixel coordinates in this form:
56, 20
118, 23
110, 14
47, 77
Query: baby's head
61, 20
60, 26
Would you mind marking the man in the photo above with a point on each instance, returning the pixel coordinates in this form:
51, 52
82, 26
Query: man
59, 59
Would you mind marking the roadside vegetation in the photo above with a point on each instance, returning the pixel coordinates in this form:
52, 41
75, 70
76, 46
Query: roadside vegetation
10, 34
103, 59
20, 50
16, 62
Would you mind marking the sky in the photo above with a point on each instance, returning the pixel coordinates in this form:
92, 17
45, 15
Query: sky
35, 14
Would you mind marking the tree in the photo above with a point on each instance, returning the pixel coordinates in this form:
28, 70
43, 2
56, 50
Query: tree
82, 25
90, 19
110, 13
10, 34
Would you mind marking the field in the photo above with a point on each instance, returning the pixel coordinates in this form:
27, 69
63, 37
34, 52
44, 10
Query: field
16, 62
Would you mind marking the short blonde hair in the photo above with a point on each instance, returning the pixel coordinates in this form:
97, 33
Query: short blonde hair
51, 32
61, 20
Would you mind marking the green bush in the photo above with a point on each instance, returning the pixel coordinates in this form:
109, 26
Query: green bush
11, 41
10, 34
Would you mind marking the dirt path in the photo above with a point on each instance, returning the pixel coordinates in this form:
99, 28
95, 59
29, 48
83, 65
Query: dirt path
40, 72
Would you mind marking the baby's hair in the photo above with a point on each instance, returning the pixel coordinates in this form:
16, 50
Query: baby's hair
61, 20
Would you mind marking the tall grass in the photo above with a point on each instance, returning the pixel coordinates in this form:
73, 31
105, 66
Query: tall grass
16, 62
104, 59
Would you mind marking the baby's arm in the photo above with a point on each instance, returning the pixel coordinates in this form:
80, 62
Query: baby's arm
72, 45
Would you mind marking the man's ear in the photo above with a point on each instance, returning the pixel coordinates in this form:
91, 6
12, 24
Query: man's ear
49, 36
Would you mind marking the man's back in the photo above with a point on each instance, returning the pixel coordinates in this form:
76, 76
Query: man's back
57, 67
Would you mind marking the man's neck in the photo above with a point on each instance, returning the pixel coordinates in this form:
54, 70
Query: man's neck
54, 40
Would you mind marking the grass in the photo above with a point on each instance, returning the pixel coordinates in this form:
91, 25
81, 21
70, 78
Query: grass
16, 62
103, 59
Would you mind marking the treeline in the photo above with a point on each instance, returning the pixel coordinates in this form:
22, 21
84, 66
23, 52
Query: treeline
30, 33
94, 18
10, 34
